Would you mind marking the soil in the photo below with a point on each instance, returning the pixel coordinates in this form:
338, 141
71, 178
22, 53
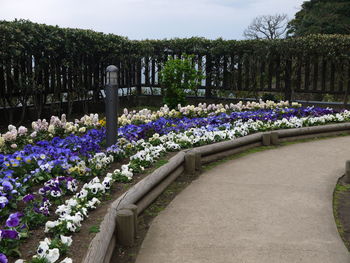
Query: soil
341, 208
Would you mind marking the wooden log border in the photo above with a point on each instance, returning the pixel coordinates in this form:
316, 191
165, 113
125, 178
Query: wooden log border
147, 190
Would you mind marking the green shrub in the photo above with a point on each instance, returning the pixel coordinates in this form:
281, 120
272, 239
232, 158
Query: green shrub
178, 77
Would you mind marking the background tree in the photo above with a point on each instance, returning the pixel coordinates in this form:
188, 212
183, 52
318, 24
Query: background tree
321, 17
267, 27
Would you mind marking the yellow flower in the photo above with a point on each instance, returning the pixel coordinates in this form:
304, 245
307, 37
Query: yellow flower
102, 122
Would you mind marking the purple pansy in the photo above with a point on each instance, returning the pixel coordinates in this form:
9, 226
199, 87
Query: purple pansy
9, 234
3, 258
28, 198
14, 219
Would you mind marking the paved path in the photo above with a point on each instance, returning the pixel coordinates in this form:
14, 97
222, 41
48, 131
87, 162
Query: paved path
271, 206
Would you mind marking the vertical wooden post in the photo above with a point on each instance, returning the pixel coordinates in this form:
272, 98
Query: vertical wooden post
270, 73
138, 77
198, 161
298, 78
324, 74
247, 73
346, 178
208, 76
332, 82
278, 73
347, 89
239, 78
125, 227
133, 209
266, 139
307, 74
232, 72
288, 80
147, 82
190, 163
225, 73
200, 70
274, 138
315, 76
262, 74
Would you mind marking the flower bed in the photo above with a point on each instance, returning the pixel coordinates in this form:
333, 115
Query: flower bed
56, 173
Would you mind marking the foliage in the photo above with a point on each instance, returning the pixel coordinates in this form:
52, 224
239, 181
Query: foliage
322, 17
178, 77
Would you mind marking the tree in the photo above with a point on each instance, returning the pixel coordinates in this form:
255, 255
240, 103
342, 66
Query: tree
267, 27
321, 17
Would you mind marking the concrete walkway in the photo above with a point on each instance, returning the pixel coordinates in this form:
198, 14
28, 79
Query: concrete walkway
271, 206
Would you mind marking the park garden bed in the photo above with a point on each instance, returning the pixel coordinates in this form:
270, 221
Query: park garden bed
55, 174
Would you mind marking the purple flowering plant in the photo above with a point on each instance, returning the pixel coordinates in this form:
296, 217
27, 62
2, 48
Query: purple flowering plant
11, 233
36, 210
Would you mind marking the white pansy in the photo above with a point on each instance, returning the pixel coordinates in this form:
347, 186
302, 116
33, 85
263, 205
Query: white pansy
66, 240
50, 224
67, 260
52, 255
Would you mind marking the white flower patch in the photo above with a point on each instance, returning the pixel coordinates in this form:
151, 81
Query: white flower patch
101, 160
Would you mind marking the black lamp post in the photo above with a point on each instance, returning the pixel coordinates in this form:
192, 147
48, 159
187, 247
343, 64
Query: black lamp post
111, 105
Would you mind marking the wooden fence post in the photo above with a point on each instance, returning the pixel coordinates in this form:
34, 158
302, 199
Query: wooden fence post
190, 163
346, 178
133, 209
125, 227
288, 80
266, 139
198, 161
208, 80
274, 138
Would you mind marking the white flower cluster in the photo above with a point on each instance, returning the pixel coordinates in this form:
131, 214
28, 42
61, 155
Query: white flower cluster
148, 153
101, 160
12, 134
51, 255
89, 120
203, 109
75, 209
125, 172
55, 123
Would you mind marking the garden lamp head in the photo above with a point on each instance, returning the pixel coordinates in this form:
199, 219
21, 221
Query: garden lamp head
112, 76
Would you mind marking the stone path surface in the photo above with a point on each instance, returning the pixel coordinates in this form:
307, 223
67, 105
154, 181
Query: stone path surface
270, 206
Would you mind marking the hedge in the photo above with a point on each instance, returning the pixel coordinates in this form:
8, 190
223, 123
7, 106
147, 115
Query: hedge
44, 65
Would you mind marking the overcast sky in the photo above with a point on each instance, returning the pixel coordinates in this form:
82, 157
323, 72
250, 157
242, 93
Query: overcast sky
153, 19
